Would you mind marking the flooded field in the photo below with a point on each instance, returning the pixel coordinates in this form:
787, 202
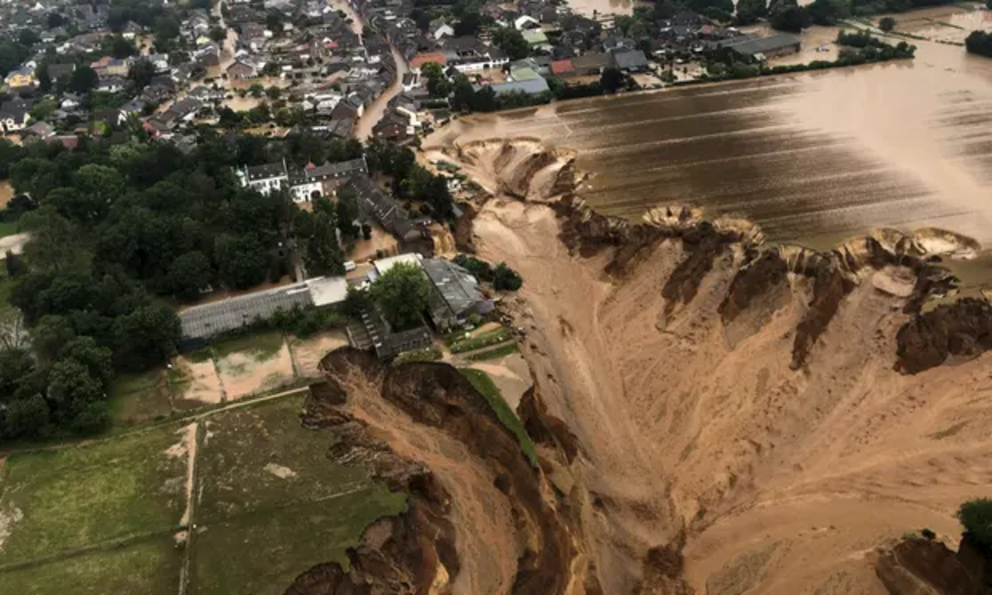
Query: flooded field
813, 158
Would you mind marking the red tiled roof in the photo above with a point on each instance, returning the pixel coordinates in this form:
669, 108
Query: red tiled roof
421, 59
561, 66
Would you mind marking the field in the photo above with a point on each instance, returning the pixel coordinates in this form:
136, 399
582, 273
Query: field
81, 518
271, 504
107, 517
227, 371
485, 385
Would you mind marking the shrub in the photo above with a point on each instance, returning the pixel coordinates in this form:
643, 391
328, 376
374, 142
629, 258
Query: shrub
887, 24
928, 534
976, 517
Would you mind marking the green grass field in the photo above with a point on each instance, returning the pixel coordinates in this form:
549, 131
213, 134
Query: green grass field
258, 345
135, 398
494, 337
494, 353
273, 505
485, 385
82, 496
92, 519
8, 228
149, 567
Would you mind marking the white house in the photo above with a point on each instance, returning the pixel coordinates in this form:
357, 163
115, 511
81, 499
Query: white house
264, 178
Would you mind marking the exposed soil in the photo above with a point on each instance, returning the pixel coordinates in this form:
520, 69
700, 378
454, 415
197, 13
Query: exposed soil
480, 518
739, 418
244, 374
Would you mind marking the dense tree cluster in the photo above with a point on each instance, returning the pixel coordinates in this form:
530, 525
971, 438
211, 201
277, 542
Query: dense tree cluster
402, 293
976, 517
411, 180
502, 277
979, 42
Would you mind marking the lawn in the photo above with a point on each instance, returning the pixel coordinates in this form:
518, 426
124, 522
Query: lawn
70, 498
8, 228
494, 353
260, 456
485, 385
150, 567
139, 397
261, 553
493, 337
273, 505
257, 345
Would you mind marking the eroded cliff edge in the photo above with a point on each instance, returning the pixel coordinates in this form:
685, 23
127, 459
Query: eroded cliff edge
712, 412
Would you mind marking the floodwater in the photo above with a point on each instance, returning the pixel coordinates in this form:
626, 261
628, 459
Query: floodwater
813, 158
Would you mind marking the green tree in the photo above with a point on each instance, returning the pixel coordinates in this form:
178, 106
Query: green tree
102, 186
71, 388
612, 80
44, 78
512, 43
141, 74
167, 27
50, 334
976, 517
15, 364
347, 212
241, 260
35, 176
118, 47
506, 279
749, 11
27, 37
218, 34
44, 109
54, 242
26, 418
83, 80
356, 302
402, 293
96, 358
147, 336
190, 273
829, 12
887, 24
273, 93
786, 15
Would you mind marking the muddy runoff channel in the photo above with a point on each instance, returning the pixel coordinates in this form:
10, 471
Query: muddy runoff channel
713, 413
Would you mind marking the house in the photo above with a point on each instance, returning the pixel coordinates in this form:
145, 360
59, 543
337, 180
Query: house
526, 23
634, 61
14, 115
591, 64
760, 48
375, 204
39, 130
108, 67
455, 294
131, 30
241, 70
204, 93
535, 38
618, 43
21, 78
57, 72
160, 61
420, 59
111, 85
411, 80
316, 180
439, 29
530, 87
562, 68
185, 109
264, 178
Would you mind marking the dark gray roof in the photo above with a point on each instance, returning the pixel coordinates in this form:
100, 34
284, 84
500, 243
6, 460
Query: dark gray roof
265, 171
456, 286
760, 45
383, 208
629, 60
529, 86
207, 320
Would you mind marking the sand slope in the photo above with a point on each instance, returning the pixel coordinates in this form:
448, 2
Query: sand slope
785, 480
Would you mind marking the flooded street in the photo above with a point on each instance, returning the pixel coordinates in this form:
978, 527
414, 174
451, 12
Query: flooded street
813, 158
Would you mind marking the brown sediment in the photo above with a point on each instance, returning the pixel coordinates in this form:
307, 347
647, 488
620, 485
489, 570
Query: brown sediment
421, 551
693, 454
918, 566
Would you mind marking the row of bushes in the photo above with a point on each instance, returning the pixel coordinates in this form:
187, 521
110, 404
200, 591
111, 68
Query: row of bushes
502, 277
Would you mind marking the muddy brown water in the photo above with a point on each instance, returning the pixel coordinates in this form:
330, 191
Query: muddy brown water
813, 158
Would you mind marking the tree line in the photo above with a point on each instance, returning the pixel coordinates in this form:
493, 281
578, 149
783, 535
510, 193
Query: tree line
124, 227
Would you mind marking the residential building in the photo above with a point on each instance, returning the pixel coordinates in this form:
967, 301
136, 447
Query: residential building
761, 48
631, 61
14, 115
264, 178
21, 78
455, 294
376, 205
530, 87
321, 180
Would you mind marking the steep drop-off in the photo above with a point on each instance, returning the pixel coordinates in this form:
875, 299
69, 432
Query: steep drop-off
748, 416
480, 518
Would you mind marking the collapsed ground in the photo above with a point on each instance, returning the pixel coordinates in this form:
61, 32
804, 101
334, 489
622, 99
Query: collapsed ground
756, 417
